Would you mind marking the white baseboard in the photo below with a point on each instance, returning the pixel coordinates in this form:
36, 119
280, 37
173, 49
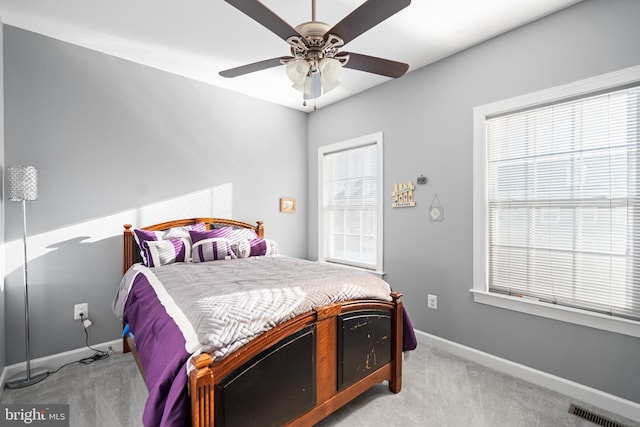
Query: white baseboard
54, 361
591, 396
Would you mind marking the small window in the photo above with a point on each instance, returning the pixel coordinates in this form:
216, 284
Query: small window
557, 201
350, 217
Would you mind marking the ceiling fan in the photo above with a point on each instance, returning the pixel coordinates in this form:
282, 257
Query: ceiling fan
316, 60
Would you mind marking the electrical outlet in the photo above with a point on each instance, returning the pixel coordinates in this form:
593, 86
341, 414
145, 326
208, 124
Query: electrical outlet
80, 308
432, 301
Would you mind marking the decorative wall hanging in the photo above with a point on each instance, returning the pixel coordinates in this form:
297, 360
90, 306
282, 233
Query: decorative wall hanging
403, 195
436, 209
287, 204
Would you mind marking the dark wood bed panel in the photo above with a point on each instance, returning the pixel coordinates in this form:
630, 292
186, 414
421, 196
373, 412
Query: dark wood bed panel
352, 345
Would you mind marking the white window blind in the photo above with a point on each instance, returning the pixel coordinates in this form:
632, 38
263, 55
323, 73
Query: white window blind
350, 218
563, 212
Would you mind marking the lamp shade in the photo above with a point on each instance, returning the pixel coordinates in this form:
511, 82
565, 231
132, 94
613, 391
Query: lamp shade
23, 183
297, 70
330, 72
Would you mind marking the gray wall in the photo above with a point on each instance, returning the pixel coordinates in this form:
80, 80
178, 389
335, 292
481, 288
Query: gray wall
117, 142
426, 117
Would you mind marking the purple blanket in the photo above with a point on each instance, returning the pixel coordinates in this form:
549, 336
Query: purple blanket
409, 341
161, 348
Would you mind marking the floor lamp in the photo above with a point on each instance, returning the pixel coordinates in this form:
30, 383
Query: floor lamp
23, 187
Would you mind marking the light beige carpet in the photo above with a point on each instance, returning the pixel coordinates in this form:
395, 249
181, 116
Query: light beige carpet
438, 390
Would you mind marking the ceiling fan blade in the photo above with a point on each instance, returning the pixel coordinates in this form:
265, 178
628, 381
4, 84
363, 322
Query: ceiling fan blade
263, 15
365, 17
372, 64
256, 66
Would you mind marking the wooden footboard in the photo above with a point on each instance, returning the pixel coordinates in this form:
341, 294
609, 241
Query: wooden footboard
368, 363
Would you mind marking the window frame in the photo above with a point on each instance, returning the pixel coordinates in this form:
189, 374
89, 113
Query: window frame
480, 290
370, 139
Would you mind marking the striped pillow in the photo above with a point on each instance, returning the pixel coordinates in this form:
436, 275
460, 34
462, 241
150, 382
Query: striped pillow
211, 245
238, 234
211, 250
255, 247
162, 252
142, 236
223, 232
176, 232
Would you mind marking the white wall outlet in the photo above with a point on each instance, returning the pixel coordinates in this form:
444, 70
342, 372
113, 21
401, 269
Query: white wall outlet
432, 301
80, 308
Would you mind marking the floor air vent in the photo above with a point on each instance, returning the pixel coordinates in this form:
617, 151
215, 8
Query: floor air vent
593, 417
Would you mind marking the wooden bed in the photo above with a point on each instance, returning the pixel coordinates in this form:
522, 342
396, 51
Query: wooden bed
333, 354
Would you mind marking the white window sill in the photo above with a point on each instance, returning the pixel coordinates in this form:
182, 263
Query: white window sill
565, 314
354, 267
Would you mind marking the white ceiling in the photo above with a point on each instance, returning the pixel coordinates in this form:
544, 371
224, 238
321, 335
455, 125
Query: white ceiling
199, 38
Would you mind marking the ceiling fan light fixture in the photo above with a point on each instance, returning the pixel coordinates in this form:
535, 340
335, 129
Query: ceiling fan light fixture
314, 78
312, 86
329, 86
297, 70
330, 69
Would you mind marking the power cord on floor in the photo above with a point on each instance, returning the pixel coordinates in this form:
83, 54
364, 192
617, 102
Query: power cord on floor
98, 355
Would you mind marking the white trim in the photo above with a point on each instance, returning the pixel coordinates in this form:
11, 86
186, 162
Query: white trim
54, 361
583, 393
376, 139
480, 244
558, 93
559, 312
353, 267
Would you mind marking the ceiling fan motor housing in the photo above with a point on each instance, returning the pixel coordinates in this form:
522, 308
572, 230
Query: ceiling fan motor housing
313, 31
312, 44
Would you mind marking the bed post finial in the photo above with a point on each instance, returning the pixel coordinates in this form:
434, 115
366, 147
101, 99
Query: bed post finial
260, 229
128, 248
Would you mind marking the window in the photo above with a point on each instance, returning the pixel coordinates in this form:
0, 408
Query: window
557, 203
350, 205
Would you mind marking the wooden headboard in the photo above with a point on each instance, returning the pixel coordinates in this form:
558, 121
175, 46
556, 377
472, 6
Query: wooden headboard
131, 252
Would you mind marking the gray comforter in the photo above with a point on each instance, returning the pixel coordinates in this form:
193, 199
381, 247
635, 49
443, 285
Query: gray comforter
221, 305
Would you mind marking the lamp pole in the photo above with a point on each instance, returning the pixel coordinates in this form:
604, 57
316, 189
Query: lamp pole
23, 186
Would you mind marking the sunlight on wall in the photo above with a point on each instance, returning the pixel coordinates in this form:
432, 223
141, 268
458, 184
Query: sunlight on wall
214, 202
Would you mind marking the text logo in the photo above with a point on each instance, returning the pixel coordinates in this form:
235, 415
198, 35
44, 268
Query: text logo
34, 415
